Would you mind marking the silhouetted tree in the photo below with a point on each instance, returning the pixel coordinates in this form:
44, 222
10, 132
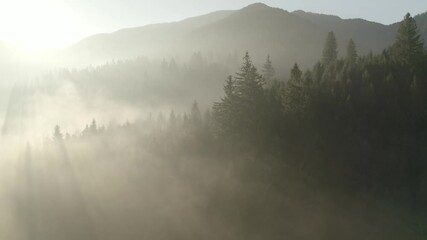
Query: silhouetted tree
224, 111
196, 116
173, 120
268, 72
57, 135
295, 99
330, 52
249, 92
93, 127
409, 47
351, 52
240, 112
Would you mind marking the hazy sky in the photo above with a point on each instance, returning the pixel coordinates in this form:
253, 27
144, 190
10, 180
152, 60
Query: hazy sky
57, 23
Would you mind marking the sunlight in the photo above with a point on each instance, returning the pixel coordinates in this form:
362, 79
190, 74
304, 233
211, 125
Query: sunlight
254, 119
37, 25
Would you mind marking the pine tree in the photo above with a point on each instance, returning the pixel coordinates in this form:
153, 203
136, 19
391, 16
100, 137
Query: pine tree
57, 135
196, 116
248, 82
330, 52
351, 52
172, 120
224, 111
409, 47
229, 88
295, 95
268, 72
240, 112
93, 127
249, 91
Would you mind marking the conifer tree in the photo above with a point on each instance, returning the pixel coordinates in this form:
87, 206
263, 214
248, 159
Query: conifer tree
224, 111
240, 111
351, 52
196, 116
409, 47
268, 72
295, 95
57, 135
93, 127
172, 120
248, 82
249, 91
330, 52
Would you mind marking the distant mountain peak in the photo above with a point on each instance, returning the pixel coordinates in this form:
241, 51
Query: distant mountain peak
259, 28
257, 6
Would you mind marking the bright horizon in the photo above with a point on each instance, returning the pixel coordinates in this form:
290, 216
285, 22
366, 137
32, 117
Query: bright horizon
47, 24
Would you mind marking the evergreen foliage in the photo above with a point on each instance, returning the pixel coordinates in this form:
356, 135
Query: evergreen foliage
330, 52
295, 99
238, 112
57, 134
408, 49
268, 72
351, 56
354, 125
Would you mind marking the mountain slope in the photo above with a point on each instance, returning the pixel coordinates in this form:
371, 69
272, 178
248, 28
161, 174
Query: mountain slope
287, 36
263, 30
421, 20
367, 35
132, 42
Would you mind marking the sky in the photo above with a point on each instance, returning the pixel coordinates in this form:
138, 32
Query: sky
46, 24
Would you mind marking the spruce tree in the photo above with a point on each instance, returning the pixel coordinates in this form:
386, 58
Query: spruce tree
196, 116
268, 72
249, 94
57, 135
240, 112
172, 120
224, 111
351, 52
93, 127
295, 95
409, 47
248, 82
330, 52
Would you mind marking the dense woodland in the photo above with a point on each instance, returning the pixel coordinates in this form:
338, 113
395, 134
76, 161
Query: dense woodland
334, 152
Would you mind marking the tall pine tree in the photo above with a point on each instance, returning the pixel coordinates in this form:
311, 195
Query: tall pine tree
268, 72
330, 52
295, 99
240, 112
408, 49
225, 110
351, 52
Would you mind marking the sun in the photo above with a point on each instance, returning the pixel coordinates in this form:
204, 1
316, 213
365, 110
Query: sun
38, 24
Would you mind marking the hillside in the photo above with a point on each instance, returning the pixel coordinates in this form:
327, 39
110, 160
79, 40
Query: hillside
291, 36
189, 130
422, 24
156, 39
367, 35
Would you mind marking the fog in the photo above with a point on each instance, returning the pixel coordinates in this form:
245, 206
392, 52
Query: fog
146, 180
255, 123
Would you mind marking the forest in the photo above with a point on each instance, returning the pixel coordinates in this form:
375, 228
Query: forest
336, 151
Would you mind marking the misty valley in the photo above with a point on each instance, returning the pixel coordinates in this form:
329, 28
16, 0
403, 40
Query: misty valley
256, 123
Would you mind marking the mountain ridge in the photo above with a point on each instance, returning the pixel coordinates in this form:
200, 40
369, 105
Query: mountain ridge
297, 36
